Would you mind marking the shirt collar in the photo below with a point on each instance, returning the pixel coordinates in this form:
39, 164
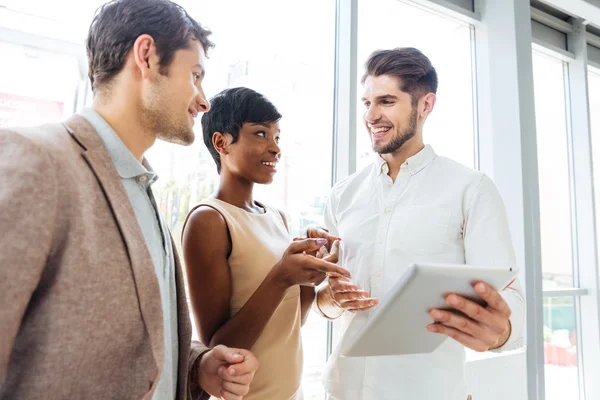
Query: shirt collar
127, 165
413, 164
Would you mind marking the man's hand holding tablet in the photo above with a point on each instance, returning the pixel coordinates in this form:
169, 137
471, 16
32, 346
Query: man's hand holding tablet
477, 327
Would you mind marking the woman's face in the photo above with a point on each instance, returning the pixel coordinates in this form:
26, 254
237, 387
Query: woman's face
256, 153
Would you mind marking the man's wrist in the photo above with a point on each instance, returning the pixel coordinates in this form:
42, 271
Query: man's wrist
195, 386
504, 340
326, 291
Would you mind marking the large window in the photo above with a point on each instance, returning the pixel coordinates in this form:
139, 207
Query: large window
554, 172
290, 59
594, 98
27, 96
386, 24
287, 51
560, 321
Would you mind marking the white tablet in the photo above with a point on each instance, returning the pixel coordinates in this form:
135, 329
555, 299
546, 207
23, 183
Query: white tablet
399, 325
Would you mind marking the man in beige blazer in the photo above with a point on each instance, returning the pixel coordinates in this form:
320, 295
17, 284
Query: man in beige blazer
92, 299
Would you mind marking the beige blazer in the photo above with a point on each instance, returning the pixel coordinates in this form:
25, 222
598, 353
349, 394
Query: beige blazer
80, 308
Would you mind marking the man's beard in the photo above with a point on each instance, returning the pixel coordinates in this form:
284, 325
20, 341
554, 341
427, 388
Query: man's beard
158, 119
399, 140
178, 132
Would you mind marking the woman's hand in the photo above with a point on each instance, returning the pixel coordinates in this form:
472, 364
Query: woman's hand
298, 267
318, 232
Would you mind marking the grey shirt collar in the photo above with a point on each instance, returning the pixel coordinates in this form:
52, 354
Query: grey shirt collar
127, 165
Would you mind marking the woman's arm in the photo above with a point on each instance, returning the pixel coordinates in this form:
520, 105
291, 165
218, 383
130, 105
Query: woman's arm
206, 246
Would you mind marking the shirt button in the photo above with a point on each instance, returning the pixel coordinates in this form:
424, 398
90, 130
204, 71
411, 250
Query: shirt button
378, 275
142, 179
388, 210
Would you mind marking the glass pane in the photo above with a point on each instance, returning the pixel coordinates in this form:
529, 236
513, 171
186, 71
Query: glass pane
386, 24
267, 58
27, 98
594, 97
560, 349
553, 169
49, 19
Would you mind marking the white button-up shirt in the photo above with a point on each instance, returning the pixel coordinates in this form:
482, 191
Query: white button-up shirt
437, 210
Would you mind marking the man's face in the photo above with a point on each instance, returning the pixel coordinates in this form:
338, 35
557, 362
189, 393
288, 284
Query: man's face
390, 115
172, 101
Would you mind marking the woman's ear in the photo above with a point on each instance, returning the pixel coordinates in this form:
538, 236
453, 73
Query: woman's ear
221, 142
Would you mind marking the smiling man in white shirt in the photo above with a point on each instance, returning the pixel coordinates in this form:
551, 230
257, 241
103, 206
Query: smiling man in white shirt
409, 206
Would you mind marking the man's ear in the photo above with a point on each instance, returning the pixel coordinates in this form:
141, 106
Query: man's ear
221, 142
145, 56
426, 104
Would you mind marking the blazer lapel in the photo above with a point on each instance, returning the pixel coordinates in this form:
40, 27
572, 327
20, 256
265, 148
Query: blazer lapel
183, 313
184, 327
142, 265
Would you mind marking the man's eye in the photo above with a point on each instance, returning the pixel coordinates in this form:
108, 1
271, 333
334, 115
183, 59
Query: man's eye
261, 134
197, 77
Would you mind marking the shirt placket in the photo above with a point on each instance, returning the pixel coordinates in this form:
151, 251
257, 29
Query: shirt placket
388, 192
146, 180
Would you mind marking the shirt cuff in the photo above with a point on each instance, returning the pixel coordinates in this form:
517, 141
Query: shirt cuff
517, 320
195, 392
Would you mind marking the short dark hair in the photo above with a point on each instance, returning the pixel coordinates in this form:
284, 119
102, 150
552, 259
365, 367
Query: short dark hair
118, 24
229, 110
417, 74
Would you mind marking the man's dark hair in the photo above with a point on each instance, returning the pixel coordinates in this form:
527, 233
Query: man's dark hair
229, 110
414, 69
118, 24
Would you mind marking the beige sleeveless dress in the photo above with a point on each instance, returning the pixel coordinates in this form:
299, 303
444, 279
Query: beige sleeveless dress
258, 243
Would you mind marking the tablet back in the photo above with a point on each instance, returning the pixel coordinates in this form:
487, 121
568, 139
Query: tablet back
399, 324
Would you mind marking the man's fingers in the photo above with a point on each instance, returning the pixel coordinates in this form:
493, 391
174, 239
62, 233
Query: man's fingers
320, 232
242, 361
235, 389
351, 296
249, 365
323, 253
478, 313
461, 337
326, 235
334, 253
493, 298
225, 395
470, 308
360, 305
465, 325
341, 284
224, 354
229, 375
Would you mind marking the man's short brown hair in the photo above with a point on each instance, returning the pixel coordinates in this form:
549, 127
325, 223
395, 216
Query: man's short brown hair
117, 25
414, 69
